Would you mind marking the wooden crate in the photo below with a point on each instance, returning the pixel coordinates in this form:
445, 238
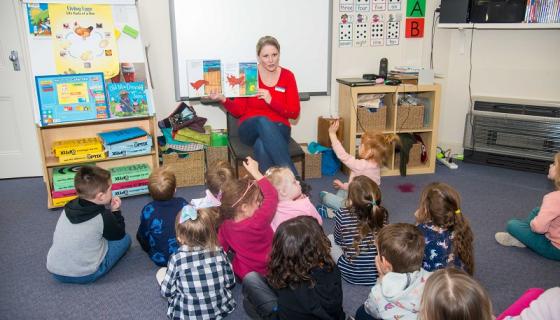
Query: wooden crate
188, 167
216, 153
312, 164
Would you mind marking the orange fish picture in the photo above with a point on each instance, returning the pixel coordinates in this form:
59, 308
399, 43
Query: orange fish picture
233, 80
199, 83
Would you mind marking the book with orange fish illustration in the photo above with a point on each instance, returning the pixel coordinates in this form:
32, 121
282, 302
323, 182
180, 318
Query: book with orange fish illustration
204, 77
233, 79
239, 79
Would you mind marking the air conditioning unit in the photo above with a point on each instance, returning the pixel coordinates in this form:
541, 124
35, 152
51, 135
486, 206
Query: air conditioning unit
519, 136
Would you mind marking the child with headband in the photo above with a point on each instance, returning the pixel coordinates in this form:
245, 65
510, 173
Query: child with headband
248, 207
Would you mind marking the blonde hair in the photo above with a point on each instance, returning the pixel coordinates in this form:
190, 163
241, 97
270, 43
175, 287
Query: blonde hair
200, 232
556, 177
276, 176
451, 294
267, 41
378, 145
162, 184
440, 204
218, 173
91, 180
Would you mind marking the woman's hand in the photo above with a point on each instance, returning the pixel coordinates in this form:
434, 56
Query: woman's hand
252, 167
217, 97
265, 95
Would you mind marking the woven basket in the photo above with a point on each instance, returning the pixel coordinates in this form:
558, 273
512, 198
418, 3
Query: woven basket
214, 154
414, 156
312, 164
410, 116
189, 169
372, 120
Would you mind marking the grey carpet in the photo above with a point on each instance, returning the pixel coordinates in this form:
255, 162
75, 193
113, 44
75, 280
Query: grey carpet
490, 195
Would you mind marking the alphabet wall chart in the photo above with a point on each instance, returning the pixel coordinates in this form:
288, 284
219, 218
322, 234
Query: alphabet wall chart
365, 23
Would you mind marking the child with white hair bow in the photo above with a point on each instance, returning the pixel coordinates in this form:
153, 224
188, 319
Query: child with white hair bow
198, 279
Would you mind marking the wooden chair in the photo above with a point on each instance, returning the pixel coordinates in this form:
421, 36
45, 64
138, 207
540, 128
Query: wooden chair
238, 151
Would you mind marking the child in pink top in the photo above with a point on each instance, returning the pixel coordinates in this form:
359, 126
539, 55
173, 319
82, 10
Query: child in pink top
541, 230
248, 207
292, 202
373, 151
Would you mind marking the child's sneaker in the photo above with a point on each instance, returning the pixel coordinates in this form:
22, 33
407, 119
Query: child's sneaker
506, 239
330, 213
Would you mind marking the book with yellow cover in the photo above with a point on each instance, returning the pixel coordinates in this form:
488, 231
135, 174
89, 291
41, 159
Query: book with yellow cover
59, 202
82, 157
76, 146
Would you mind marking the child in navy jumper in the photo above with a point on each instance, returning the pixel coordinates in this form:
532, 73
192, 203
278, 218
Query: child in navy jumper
156, 233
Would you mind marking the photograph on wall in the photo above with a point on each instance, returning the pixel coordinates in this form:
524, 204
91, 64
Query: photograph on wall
84, 39
38, 20
240, 79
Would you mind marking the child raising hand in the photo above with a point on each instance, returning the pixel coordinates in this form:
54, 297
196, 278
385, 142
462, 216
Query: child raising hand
372, 151
248, 207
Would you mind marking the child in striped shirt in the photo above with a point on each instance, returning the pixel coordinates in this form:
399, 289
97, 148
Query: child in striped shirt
353, 242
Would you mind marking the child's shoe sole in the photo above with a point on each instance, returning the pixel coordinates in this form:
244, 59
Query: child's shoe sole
506, 239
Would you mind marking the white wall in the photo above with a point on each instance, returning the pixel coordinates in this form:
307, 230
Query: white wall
506, 63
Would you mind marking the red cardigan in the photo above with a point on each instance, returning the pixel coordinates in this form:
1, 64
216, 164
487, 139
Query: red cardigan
251, 238
284, 104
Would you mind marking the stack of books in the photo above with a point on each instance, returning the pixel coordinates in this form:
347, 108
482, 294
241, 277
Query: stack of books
74, 150
407, 74
130, 180
63, 185
126, 142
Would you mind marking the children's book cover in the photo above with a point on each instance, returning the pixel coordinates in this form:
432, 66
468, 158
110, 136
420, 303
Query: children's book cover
127, 99
84, 39
204, 77
239, 79
39, 20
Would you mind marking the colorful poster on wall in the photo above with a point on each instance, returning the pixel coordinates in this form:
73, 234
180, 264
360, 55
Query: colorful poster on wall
38, 19
70, 98
415, 11
84, 39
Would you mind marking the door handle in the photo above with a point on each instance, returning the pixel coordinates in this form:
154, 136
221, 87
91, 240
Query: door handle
15, 60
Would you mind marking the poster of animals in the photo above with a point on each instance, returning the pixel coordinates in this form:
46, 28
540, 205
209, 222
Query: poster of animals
84, 39
38, 19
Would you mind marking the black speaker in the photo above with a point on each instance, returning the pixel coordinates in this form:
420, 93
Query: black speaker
454, 11
383, 68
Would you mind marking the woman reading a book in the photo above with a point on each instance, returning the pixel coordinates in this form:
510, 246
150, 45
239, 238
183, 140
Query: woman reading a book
264, 118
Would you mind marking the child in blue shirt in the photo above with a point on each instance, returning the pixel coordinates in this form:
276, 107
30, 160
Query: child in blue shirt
156, 233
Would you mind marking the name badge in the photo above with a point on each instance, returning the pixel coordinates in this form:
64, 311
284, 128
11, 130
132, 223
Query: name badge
280, 89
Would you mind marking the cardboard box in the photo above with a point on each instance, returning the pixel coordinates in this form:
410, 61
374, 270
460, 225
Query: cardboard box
323, 131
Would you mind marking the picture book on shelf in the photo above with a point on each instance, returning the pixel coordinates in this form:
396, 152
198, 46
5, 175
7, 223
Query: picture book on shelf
116, 136
127, 99
70, 98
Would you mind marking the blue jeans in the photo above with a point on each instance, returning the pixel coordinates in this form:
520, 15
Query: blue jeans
334, 201
270, 141
521, 230
116, 249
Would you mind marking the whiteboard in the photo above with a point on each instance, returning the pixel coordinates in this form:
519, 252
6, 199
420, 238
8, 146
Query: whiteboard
229, 30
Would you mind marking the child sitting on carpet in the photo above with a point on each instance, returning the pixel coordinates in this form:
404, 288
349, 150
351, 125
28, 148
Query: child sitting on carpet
88, 239
451, 294
355, 229
156, 232
248, 207
541, 230
397, 293
292, 202
446, 230
373, 152
198, 279
303, 281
